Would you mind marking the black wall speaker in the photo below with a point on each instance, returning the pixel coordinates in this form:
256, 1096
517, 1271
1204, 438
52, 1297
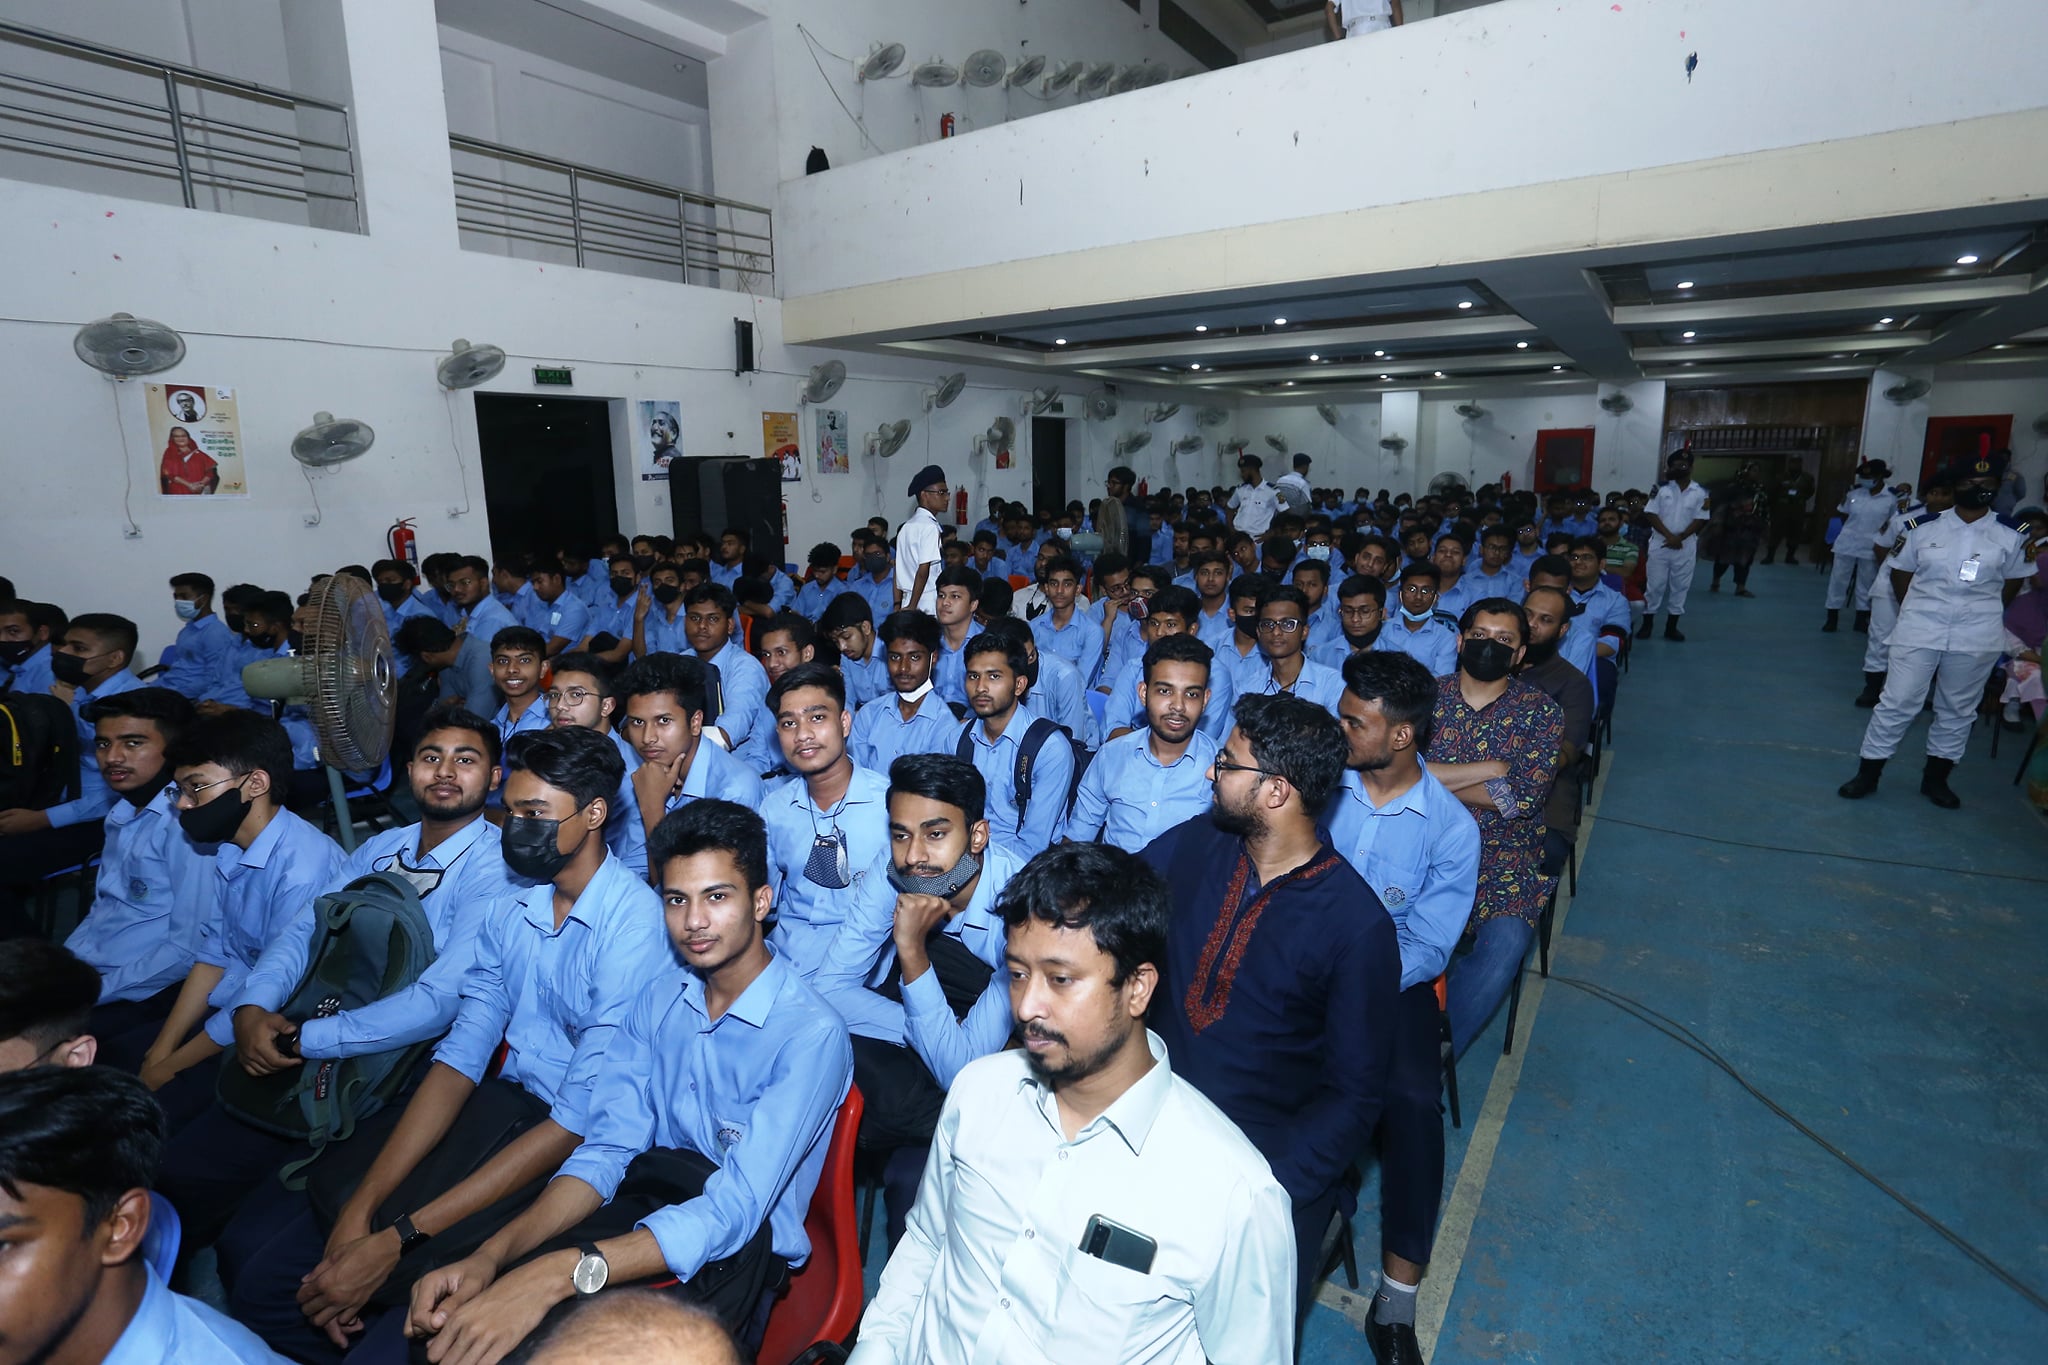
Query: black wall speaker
711, 494
742, 346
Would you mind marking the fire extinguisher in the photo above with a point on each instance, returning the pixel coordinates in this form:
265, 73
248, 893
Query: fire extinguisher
785, 521
946, 125
959, 507
1144, 488
1507, 481
403, 543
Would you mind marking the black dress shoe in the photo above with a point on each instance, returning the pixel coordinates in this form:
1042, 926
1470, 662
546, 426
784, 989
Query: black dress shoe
1393, 1343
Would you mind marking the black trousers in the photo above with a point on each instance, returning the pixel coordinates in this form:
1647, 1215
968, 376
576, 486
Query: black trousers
1411, 1130
126, 1028
279, 1235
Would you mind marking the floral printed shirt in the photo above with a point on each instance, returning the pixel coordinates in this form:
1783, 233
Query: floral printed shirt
1523, 729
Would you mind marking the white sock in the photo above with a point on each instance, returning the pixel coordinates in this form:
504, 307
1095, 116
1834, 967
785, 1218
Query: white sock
1395, 1302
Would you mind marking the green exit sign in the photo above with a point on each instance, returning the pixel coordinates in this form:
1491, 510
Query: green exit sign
563, 378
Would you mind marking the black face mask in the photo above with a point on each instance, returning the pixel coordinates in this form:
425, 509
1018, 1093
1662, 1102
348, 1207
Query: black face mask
622, 586
263, 641
12, 652
643, 562
1537, 653
217, 820
294, 639
1975, 497
1486, 660
1246, 625
875, 565
234, 620
531, 846
394, 593
68, 668
1366, 640
668, 594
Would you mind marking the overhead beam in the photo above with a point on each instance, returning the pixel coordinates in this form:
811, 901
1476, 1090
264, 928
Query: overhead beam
1765, 349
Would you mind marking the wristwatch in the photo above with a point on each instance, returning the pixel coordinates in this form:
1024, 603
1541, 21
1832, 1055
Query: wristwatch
408, 1235
591, 1272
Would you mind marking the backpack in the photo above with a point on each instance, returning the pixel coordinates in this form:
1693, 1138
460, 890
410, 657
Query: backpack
1035, 737
371, 940
38, 752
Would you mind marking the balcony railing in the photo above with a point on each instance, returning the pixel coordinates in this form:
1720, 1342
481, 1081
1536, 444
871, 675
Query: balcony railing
535, 207
87, 116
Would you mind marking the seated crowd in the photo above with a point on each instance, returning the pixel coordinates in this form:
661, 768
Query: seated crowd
1105, 875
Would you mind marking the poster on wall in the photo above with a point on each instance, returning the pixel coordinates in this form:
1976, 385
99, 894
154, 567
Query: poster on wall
661, 434
833, 442
779, 442
1002, 457
197, 437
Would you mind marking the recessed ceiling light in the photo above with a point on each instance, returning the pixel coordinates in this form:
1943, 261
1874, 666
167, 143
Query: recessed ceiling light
1201, 327
1554, 369
1282, 322
1313, 356
1289, 384
1883, 322
1386, 376
1685, 284
1379, 355
1521, 345
1059, 341
1690, 335
1194, 367
1439, 374
1464, 303
1966, 260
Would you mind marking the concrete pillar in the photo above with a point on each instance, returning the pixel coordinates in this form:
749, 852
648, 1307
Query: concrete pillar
1401, 415
400, 123
1896, 432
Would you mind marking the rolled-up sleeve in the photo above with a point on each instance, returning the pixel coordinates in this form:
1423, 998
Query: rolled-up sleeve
485, 1006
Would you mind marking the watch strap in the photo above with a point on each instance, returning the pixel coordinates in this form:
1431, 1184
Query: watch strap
409, 1236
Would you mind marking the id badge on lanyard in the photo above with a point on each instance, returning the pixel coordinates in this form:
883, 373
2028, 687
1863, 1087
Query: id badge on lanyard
1970, 567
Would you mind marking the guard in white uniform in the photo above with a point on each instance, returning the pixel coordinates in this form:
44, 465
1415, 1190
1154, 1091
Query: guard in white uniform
1865, 512
1255, 501
1884, 603
1677, 511
1954, 574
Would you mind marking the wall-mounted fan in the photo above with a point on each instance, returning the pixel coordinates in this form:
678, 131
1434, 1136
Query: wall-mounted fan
935, 74
1040, 402
984, 68
1064, 76
824, 381
1236, 445
1211, 417
1276, 443
882, 62
1151, 74
1159, 412
1397, 444
1024, 72
1127, 80
1897, 393
466, 366
344, 675
1617, 403
1189, 444
330, 441
888, 438
1097, 78
1471, 412
125, 346
1133, 441
1327, 413
1102, 404
1000, 433
943, 393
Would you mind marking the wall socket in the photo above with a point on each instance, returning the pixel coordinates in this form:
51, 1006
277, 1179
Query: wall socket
132, 533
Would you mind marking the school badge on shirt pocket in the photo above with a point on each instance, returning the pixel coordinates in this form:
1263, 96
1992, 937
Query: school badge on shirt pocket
730, 1134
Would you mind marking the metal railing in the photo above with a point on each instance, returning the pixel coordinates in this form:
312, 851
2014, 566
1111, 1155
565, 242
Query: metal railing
81, 114
536, 206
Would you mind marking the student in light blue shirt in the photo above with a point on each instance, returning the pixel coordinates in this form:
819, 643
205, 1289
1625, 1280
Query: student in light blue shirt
1603, 609
24, 651
1172, 610
203, 643
822, 583
81, 1155
559, 615
1151, 779
781, 587
396, 586
1282, 663
517, 657
156, 888
658, 617
613, 613
1416, 630
1312, 577
583, 692
911, 717
1064, 629
510, 590
661, 705
828, 836
1057, 690
710, 1122
1579, 646
873, 576
1493, 575
91, 662
710, 620
955, 598
851, 629
998, 688
729, 555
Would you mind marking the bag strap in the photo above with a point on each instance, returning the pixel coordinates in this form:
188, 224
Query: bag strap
1034, 739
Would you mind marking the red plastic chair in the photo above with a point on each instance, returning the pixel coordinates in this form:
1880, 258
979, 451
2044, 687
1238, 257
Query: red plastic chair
823, 1304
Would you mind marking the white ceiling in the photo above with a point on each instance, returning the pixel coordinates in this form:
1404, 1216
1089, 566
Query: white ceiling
586, 38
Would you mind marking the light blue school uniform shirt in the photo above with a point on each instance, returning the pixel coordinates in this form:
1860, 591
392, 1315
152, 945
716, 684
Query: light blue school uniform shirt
32, 675
1079, 641
394, 617
1435, 646
743, 688
1059, 695
755, 1090
946, 1044
261, 892
95, 797
1019, 559
1128, 797
1580, 648
949, 669
880, 593
1316, 682
170, 1329
1045, 814
831, 934
204, 644
486, 619
881, 735
664, 633
1125, 644
1605, 609
593, 587
625, 834
716, 773
444, 609
1126, 705
566, 616
1509, 583
727, 574
812, 598
468, 882
555, 996
1459, 596
1420, 855
866, 678
781, 590
154, 895
614, 616
1215, 630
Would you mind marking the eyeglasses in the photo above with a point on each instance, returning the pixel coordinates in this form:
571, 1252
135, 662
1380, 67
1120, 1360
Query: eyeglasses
575, 696
1223, 765
191, 793
1417, 590
1285, 625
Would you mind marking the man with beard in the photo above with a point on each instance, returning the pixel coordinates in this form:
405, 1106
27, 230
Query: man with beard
1551, 612
1280, 995
1086, 1139
1418, 849
1149, 780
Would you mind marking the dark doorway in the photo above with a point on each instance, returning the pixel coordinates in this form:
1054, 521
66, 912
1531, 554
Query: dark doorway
1564, 458
1949, 437
1048, 464
547, 471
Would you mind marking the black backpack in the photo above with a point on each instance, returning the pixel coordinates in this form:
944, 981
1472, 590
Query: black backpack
1035, 738
39, 752
371, 939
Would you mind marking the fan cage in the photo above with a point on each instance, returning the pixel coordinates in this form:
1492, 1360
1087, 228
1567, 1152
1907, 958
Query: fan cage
351, 682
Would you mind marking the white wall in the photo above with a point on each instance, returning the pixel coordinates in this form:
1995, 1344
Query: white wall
1472, 101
